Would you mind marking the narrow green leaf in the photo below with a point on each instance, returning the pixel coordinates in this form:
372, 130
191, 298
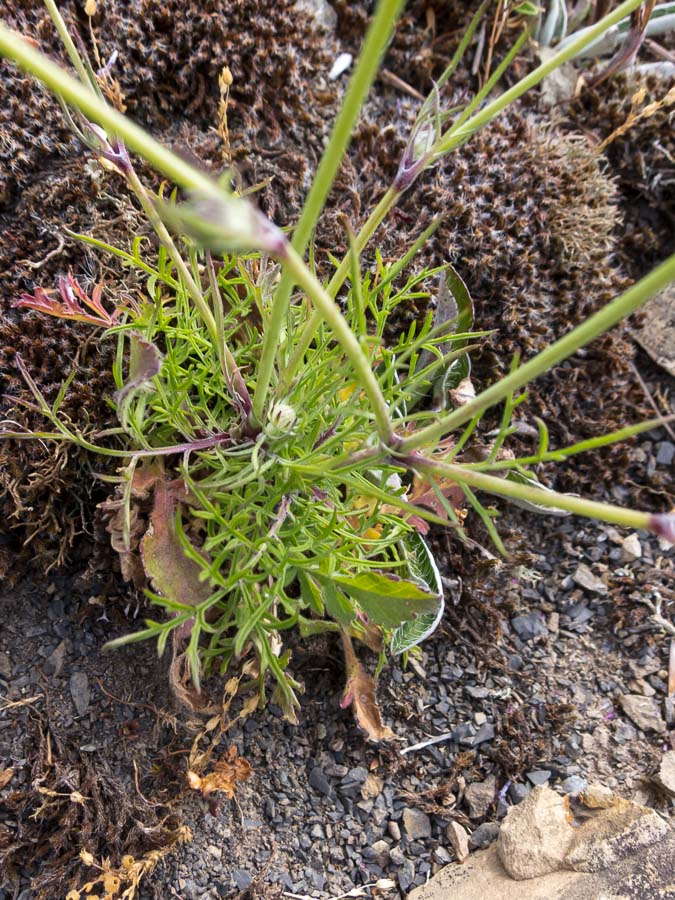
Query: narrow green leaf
311, 593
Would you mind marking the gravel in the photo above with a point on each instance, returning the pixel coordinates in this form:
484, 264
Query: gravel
326, 812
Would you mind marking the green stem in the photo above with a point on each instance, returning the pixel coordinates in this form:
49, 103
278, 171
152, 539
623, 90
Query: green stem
459, 53
453, 138
326, 307
627, 303
68, 43
389, 200
485, 91
492, 484
13, 46
614, 437
191, 285
376, 41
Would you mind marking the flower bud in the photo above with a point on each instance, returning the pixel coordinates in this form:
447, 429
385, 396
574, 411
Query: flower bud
281, 420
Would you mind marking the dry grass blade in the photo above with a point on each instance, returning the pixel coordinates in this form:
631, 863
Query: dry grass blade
636, 114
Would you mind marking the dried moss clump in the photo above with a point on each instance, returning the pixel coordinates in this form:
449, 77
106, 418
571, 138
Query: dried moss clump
642, 160
280, 108
73, 812
531, 223
281, 103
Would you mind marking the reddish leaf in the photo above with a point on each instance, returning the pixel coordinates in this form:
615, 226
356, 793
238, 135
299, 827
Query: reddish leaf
360, 693
423, 494
70, 305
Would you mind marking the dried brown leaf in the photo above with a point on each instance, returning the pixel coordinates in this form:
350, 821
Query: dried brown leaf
423, 494
6, 776
360, 694
227, 771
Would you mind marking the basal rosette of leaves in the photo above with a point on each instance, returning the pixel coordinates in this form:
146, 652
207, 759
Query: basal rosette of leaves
245, 533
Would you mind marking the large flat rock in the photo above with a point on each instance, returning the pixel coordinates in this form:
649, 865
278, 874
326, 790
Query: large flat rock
648, 875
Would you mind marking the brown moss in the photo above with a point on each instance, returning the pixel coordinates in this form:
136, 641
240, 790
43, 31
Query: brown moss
531, 225
168, 67
642, 160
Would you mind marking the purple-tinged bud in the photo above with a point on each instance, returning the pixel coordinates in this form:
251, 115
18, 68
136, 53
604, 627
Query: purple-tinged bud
225, 223
663, 524
112, 151
417, 154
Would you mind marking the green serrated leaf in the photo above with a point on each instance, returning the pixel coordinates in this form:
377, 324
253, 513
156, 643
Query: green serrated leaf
386, 599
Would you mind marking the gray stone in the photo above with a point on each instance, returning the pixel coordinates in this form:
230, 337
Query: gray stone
478, 693
406, 875
484, 835
518, 792
54, 662
573, 785
416, 823
539, 776
459, 840
644, 711
666, 454
530, 626
356, 775
485, 733
480, 797
397, 856
79, 691
319, 782
588, 581
242, 879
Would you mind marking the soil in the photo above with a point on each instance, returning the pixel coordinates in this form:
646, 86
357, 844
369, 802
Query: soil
526, 679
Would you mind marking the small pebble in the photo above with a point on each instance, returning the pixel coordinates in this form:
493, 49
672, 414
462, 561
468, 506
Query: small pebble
538, 776
573, 785
459, 841
631, 548
319, 782
483, 836
417, 824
